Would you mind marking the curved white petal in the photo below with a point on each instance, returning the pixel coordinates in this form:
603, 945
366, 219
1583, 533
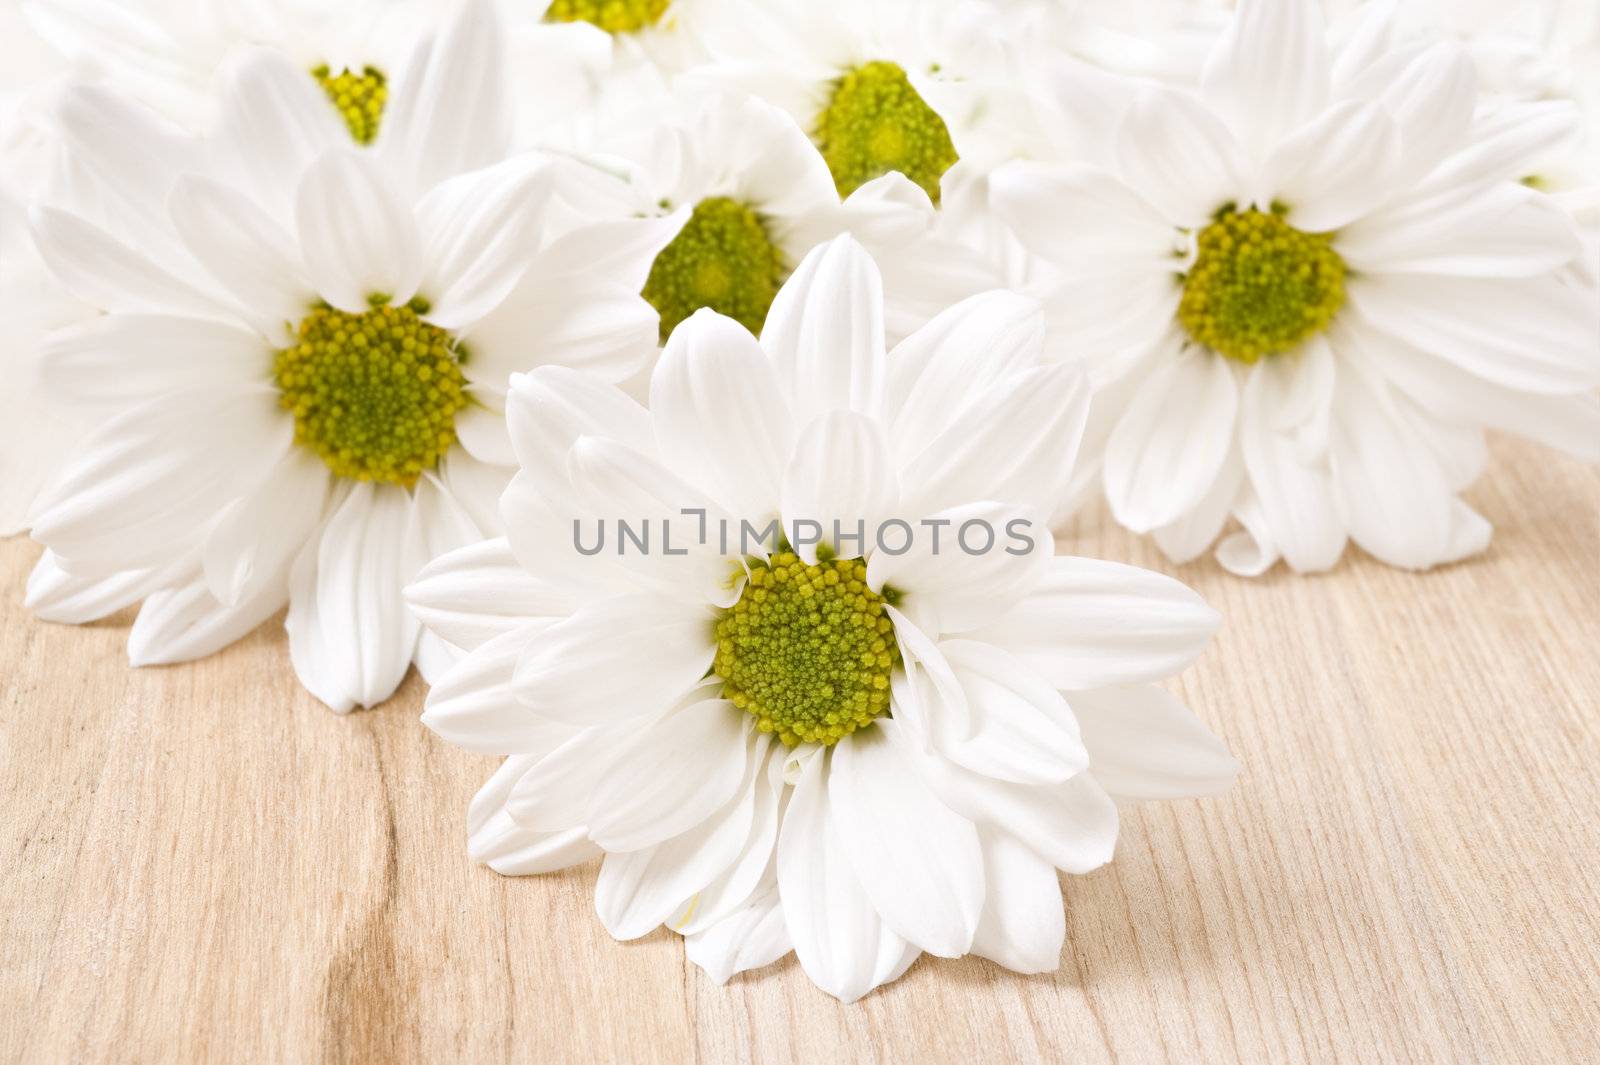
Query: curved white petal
1503, 232
615, 659
1145, 744
55, 595
824, 332
1337, 168
751, 937
1168, 447
842, 943
1024, 919
188, 622
350, 636
358, 238
967, 565
1019, 728
249, 254
1269, 71
919, 863
673, 776
475, 593
475, 706
719, 412
114, 361
499, 842
107, 274
1091, 624
277, 120
1081, 218
1180, 157
840, 478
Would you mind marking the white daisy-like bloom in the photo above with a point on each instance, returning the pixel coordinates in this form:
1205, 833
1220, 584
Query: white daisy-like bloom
168, 53
860, 749
586, 67
1312, 285
759, 197
899, 85
300, 375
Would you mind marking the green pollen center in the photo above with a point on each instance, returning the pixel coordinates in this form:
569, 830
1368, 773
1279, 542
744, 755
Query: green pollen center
374, 394
359, 98
613, 16
807, 650
722, 259
876, 123
1259, 286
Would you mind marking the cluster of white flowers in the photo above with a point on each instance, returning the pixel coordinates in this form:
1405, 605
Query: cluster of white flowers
362, 309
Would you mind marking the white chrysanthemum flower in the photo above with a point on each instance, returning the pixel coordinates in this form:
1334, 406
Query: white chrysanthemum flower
587, 66
1313, 285
898, 85
168, 53
301, 373
861, 750
757, 197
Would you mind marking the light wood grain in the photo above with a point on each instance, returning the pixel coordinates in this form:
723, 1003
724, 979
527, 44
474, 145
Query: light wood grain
200, 863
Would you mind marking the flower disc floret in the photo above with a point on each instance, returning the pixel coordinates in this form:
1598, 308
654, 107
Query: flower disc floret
808, 649
613, 16
875, 123
1259, 286
359, 98
374, 394
723, 258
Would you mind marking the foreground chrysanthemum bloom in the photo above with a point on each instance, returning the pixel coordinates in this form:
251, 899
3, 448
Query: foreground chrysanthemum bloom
856, 750
300, 378
1315, 283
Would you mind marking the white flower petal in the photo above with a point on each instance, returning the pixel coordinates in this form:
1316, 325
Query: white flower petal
549, 409
107, 274
718, 410
1268, 73
617, 251
1016, 442
553, 796
1187, 538
1504, 139
475, 593
497, 841
350, 636
1296, 496
840, 478
824, 332
1533, 335
476, 230
606, 331
484, 434
1430, 97
734, 889
842, 943
256, 538
475, 706
673, 776
1179, 156
450, 111
1024, 920
919, 863
753, 936
1145, 744
146, 486
277, 119
246, 251
1503, 232
187, 622
1396, 497
1092, 624
967, 565
1336, 168
1081, 218
358, 238
934, 372
1019, 728
616, 659
1169, 445
117, 360
53, 594
638, 891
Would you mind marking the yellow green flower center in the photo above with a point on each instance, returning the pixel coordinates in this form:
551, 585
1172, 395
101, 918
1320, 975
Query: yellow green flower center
1259, 286
722, 259
613, 16
359, 98
807, 650
876, 123
374, 394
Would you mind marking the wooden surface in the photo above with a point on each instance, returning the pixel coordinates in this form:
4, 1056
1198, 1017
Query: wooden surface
200, 863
